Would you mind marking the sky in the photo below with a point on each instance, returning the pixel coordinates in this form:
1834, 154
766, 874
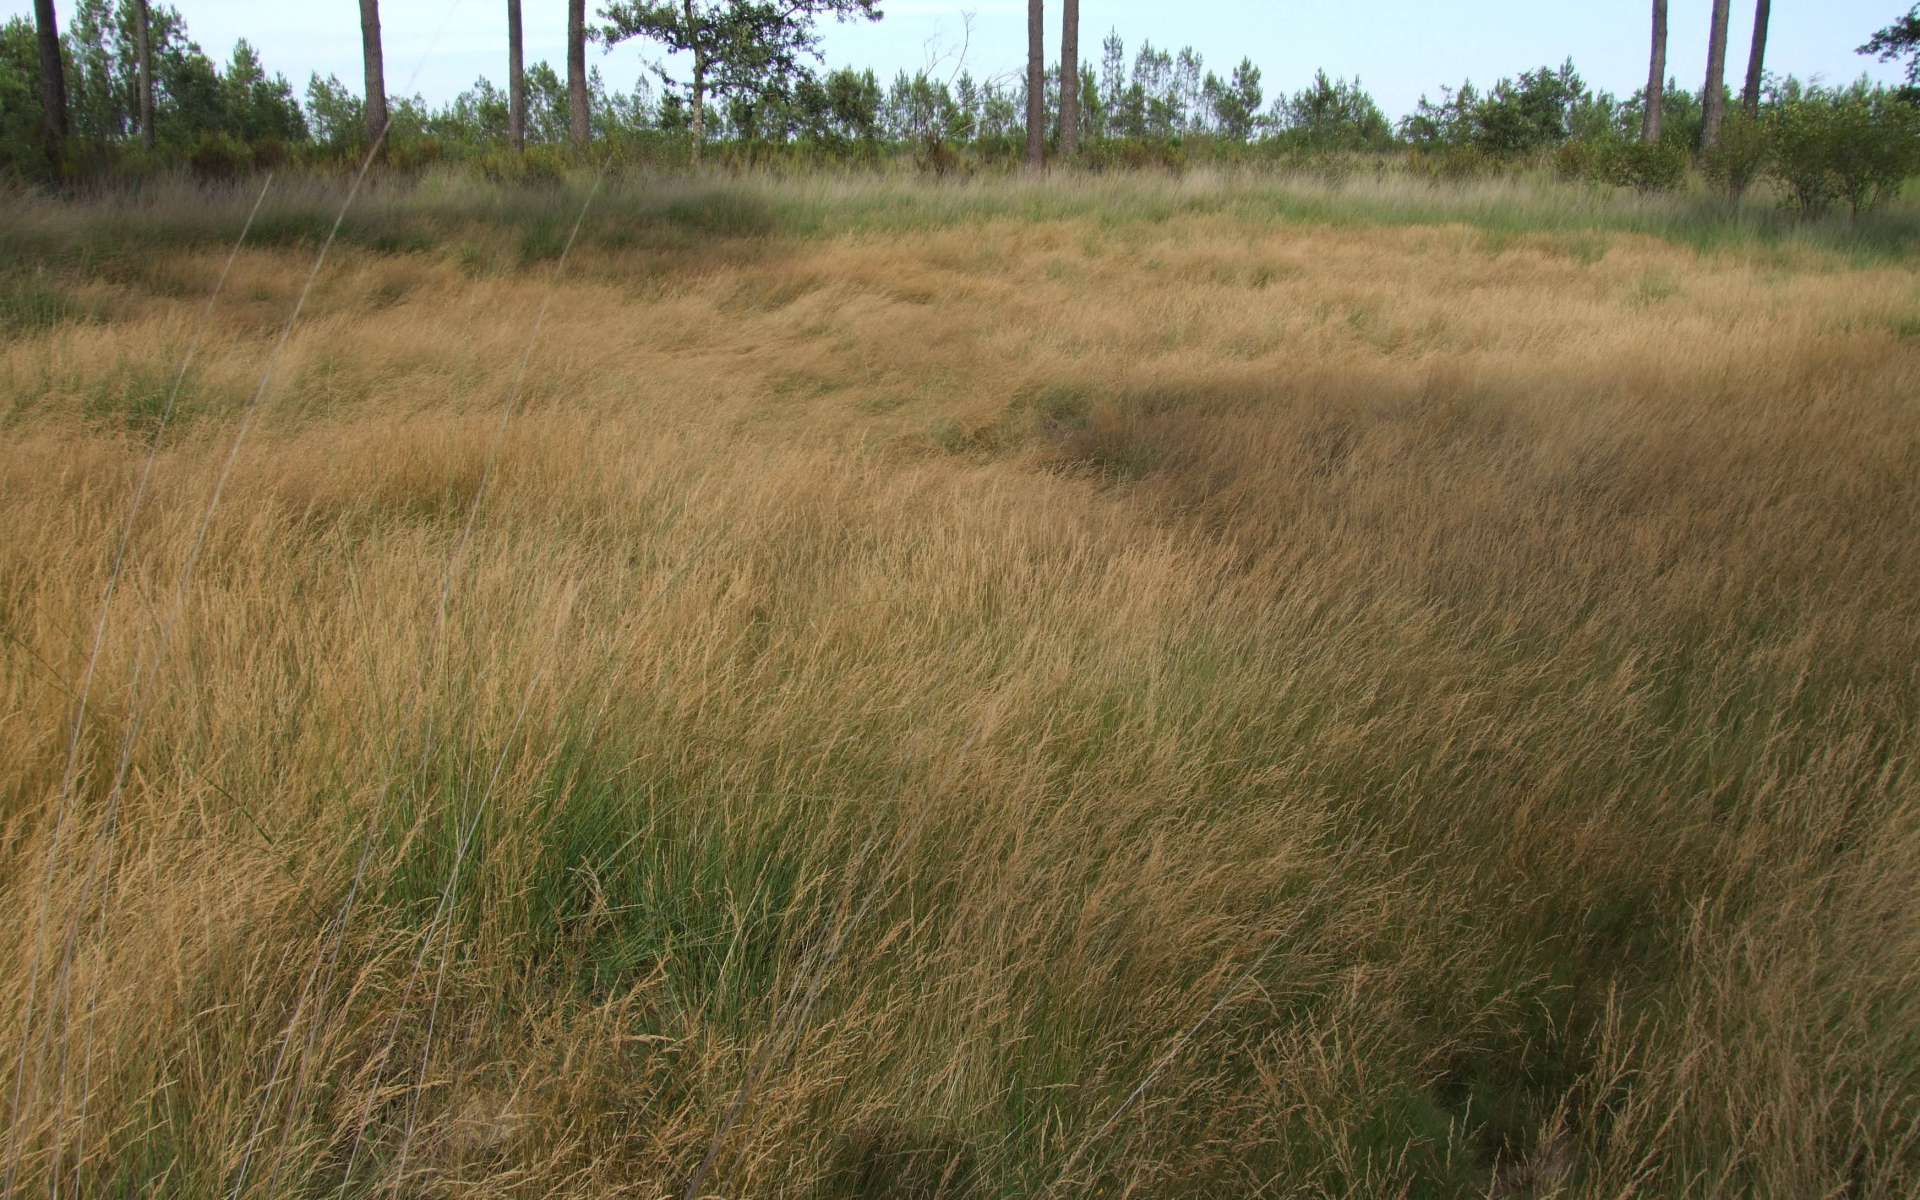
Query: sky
1399, 48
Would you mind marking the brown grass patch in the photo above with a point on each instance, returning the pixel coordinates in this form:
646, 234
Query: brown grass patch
1168, 707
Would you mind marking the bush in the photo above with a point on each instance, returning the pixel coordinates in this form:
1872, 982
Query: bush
1578, 162
1857, 145
1134, 154
1741, 155
218, 157
1656, 167
414, 154
1451, 163
1876, 146
543, 166
270, 154
1619, 162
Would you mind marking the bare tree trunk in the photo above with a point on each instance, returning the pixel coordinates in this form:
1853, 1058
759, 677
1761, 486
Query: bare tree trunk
53, 77
376, 72
1713, 98
1070, 78
143, 45
1757, 57
516, 79
577, 68
699, 80
1036, 84
1656, 76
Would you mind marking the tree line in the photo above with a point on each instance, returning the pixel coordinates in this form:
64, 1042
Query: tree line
122, 86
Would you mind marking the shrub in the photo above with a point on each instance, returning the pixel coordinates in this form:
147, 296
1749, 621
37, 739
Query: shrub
1739, 157
1451, 162
1659, 167
219, 156
543, 166
1578, 161
1133, 154
415, 153
270, 154
1857, 144
1619, 162
1876, 145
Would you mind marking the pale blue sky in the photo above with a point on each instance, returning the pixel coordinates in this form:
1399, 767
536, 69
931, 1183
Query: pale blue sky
1400, 48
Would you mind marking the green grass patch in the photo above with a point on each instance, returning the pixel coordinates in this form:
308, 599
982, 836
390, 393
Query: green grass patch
1584, 249
136, 396
614, 876
1652, 288
31, 304
406, 217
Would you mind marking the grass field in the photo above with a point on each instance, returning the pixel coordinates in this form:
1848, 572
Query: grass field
1133, 688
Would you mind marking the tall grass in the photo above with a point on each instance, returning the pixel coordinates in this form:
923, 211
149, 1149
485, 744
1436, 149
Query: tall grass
686, 212
1143, 687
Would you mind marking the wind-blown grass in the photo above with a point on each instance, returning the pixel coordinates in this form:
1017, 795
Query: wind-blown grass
689, 213
1198, 687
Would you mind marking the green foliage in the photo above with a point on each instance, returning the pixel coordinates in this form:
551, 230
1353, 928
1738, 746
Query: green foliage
1532, 113
1330, 115
549, 112
1135, 154
1900, 40
1150, 109
921, 112
1854, 145
844, 109
739, 48
219, 157
192, 98
1624, 162
478, 115
1164, 96
538, 166
1740, 156
259, 108
1450, 163
1538, 111
1236, 103
28, 304
337, 116
21, 149
101, 95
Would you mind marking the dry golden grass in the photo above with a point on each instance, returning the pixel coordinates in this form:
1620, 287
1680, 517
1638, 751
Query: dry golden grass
1147, 705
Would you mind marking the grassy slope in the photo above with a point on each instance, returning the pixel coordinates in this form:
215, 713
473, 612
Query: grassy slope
1167, 688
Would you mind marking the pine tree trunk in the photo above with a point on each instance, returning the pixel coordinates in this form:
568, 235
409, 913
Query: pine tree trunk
1713, 97
1757, 57
1656, 76
577, 68
516, 79
143, 45
376, 72
699, 104
53, 77
1070, 78
1036, 84
699, 81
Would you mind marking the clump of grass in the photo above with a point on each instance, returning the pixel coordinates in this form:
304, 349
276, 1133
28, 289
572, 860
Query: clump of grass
137, 399
30, 304
1584, 249
1653, 288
